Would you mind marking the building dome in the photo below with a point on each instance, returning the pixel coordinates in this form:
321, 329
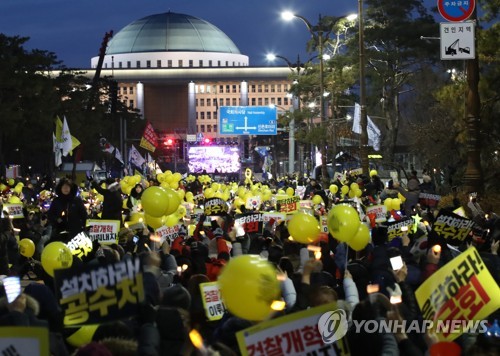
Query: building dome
171, 32
171, 40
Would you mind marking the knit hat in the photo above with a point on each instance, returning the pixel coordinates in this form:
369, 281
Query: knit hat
218, 232
176, 296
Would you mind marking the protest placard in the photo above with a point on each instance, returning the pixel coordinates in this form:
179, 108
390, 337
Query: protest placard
461, 291
212, 300
429, 200
215, 206
394, 227
16, 341
15, 210
97, 294
452, 227
293, 334
250, 222
104, 231
379, 211
288, 205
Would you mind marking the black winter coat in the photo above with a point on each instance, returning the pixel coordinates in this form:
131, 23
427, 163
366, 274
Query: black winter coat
67, 213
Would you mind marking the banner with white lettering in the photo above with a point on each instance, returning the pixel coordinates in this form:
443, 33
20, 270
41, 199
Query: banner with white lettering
97, 294
395, 228
15, 210
104, 231
379, 212
212, 300
250, 222
215, 206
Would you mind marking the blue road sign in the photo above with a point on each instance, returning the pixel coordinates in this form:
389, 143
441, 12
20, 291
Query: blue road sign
247, 120
456, 10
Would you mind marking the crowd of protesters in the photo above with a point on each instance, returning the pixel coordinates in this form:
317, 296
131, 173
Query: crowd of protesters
173, 302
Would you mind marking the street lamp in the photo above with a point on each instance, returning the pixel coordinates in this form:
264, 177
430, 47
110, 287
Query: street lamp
295, 106
319, 33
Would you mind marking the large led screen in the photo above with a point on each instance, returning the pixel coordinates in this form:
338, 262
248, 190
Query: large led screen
224, 159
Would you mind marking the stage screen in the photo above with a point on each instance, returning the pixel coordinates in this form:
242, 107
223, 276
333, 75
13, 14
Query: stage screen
224, 159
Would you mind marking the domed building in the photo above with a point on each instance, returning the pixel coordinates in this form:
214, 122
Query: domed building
171, 40
178, 70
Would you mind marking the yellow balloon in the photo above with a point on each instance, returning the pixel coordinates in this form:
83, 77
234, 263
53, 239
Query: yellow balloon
352, 193
2, 187
334, 188
174, 184
136, 179
177, 176
189, 195
290, 192
401, 197
172, 220
181, 193
11, 182
56, 255
208, 193
361, 239
344, 190
155, 223
181, 211
396, 204
238, 202
388, 203
173, 201
13, 199
354, 186
249, 285
304, 228
160, 177
155, 201
18, 189
317, 199
136, 217
358, 193
343, 222
281, 192
27, 248
373, 172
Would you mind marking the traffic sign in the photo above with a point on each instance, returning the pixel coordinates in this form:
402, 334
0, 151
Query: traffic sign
457, 40
247, 120
456, 10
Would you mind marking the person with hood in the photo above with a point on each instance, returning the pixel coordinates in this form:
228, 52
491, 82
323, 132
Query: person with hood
67, 212
112, 204
134, 198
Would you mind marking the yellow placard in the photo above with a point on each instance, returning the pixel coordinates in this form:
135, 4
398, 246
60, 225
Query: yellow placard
24, 341
460, 292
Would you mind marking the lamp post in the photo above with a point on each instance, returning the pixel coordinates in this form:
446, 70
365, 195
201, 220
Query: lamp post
363, 120
295, 106
317, 33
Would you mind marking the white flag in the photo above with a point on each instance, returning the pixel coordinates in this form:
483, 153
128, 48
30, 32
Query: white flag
373, 130
66, 140
119, 156
57, 151
135, 157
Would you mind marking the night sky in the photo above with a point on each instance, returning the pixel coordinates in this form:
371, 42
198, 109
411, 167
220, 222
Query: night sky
74, 29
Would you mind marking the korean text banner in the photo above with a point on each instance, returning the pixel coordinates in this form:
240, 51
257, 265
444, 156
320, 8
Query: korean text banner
104, 231
149, 139
430, 200
294, 334
379, 212
287, 204
215, 206
250, 222
97, 294
212, 300
451, 226
462, 290
394, 228
15, 210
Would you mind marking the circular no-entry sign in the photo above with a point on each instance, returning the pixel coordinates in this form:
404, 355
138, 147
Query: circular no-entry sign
456, 10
